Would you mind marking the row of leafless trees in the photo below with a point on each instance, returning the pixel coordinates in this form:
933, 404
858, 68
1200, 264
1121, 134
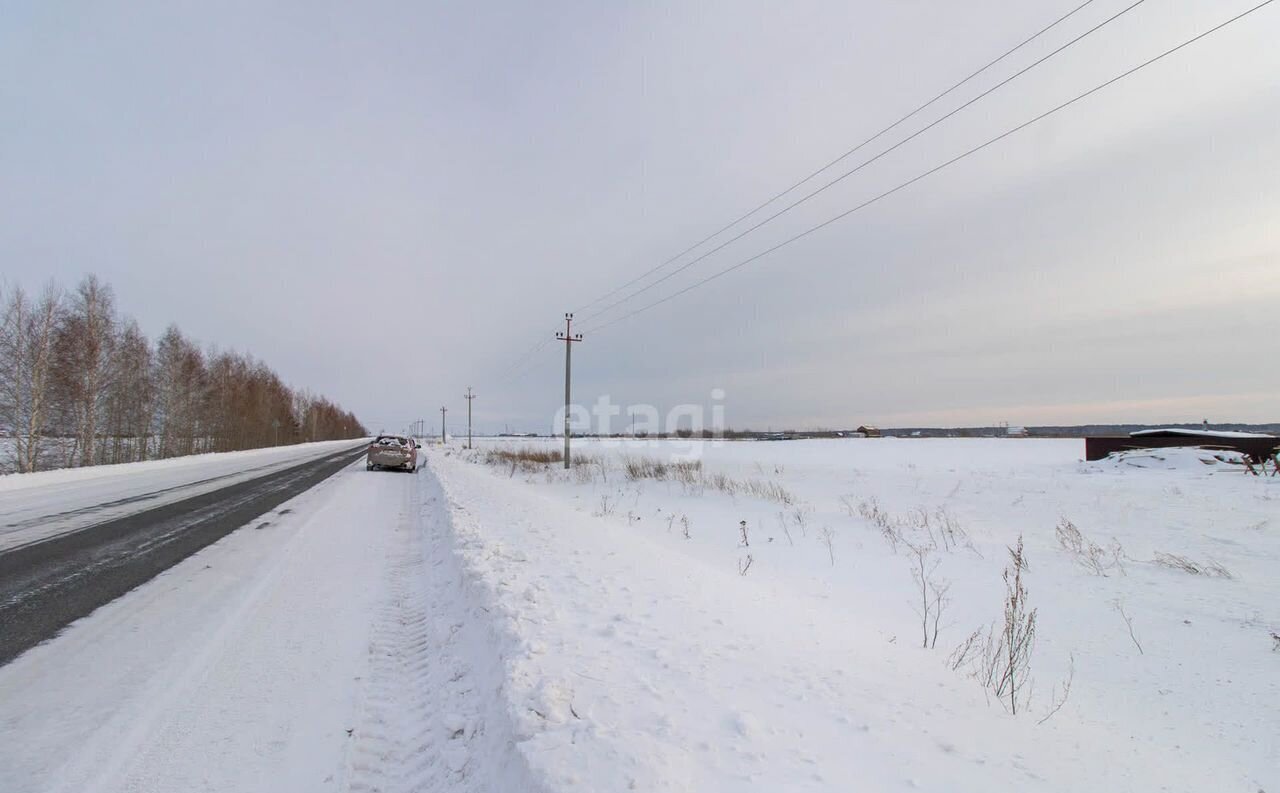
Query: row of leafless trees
82, 385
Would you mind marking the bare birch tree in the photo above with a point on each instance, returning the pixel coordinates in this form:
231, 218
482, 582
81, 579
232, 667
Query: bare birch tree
84, 348
181, 380
130, 396
27, 331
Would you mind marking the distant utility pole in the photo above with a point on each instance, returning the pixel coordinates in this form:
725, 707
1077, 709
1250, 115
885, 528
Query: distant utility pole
443, 410
568, 338
470, 396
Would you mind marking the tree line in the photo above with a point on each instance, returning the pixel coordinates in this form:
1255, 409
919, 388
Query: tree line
81, 385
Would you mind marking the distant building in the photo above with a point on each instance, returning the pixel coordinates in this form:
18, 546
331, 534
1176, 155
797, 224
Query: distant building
870, 432
1016, 432
1183, 432
1258, 446
777, 436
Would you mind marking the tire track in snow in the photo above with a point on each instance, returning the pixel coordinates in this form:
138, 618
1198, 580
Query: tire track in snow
434, 717
393, 695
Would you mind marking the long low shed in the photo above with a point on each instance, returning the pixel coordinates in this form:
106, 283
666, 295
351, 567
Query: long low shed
1258, 447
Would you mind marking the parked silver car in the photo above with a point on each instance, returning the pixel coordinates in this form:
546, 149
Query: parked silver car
392, 451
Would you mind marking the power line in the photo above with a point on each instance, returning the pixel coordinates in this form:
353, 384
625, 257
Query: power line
513, 371
844, 156
523, 358
936, 168
529, 364
867, 162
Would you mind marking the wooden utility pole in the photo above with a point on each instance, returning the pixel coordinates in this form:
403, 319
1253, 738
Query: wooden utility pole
443, 410
568, 338
470, 396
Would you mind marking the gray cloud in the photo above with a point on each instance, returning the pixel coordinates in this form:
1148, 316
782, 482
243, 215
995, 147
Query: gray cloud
417, 192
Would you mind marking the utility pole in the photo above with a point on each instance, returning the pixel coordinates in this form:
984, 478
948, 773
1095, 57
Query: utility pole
443, 410
470, 396
568, 338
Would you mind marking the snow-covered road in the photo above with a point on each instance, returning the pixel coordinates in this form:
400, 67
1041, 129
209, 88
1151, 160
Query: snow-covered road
41, 505
314, 653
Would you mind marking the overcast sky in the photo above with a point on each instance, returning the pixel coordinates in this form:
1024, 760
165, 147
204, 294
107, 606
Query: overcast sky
390, 202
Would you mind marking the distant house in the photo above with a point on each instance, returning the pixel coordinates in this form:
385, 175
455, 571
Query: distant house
1016, 432
869, 432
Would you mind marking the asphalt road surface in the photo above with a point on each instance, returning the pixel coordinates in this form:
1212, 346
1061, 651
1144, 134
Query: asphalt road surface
46, 585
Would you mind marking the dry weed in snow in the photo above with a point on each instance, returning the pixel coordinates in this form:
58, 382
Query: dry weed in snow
828, 539
651, 468
1118, 605
931, 591
1058, 697
1018, 637
782, 521
1187, 565
801, 516
1000, 657
1087, 553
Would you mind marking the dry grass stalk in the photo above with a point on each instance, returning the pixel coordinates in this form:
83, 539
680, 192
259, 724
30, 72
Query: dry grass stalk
828, 539
1087, 553
1118, 605
1187, 565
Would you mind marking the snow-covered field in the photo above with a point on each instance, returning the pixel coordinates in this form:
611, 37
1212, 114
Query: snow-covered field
42, 504
484, 628
807, 673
